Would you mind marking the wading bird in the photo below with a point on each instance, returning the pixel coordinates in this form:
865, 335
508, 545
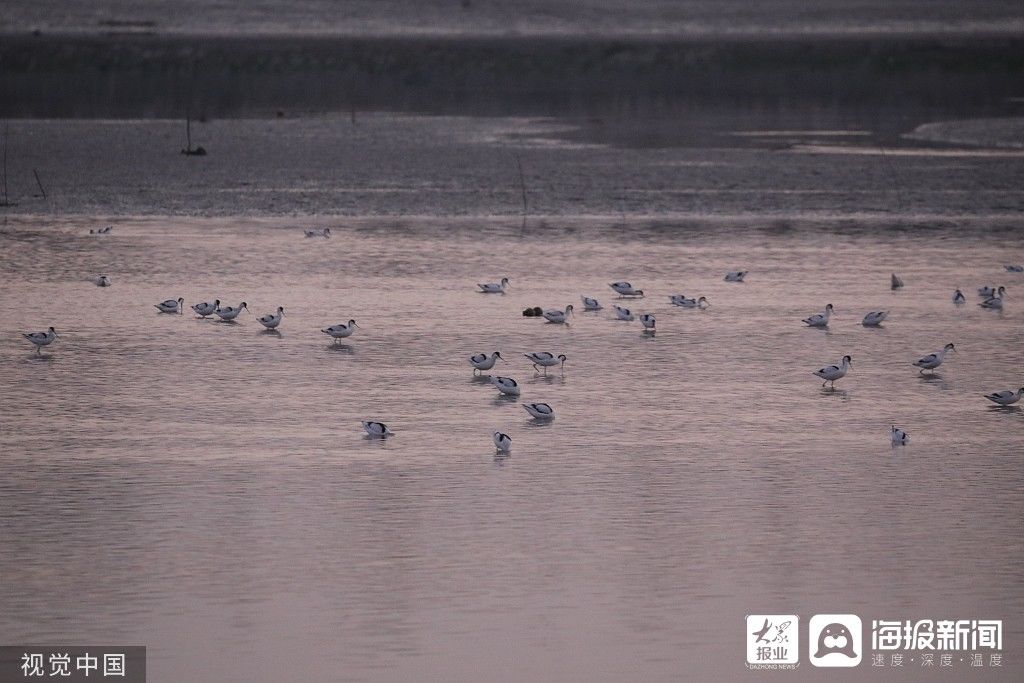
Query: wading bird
933, 360
830, 373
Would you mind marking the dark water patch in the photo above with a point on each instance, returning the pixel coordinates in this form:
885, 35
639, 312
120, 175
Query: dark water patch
165, 76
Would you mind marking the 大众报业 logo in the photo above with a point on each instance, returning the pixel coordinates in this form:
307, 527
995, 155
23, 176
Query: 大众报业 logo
772, 639
835, 640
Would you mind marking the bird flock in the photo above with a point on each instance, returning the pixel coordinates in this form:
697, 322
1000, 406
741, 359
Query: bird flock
992, 298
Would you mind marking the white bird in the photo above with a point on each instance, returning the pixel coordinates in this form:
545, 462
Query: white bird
994, 301
1005, 398
228, 313
590, 304
874, 318
647, 320
41, 339
986, 291
933, 360
481, 361
624, 314
377, 429
958, 297
830, 373
271, 320
494, 287
895, 282
682, 301
206, 308
626, 289
540, 411
735, 275
506, 385
170, 306
556, 316
899, 437
341, 331
1014, 269
324, 233
503, 442
820, 319
101, 281
546, 360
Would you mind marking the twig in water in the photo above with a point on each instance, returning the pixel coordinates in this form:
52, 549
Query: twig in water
39, 183
522, 187
6, 201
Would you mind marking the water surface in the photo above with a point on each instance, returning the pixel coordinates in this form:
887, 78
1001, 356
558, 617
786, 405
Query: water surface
204, 488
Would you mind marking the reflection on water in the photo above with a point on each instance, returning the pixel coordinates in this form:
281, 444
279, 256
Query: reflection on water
206, 489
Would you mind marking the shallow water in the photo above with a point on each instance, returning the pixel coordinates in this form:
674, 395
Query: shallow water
204, 488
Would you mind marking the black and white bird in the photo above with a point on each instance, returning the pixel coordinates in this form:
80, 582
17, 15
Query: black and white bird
206, 308
229, 313
171, 306
895, 282
933, 360
556, 316
624, 314
958, 297
995, 301
502, 442
874, 318
986, 291
271, 320
735, 275
101, 281
481, 361
1014, 269
590, 304
324, 233
626, 289
830, 373
647, 320
1005, 398
540, 411
899, 437
506, 385
41, 339
341, 330
683, 302
377, 429
102, 231
820, 319
546, 360
494, 287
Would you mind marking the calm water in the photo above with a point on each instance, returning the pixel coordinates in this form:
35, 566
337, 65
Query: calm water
518, 17
204, 488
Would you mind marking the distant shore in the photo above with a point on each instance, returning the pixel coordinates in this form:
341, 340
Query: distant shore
152, 75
